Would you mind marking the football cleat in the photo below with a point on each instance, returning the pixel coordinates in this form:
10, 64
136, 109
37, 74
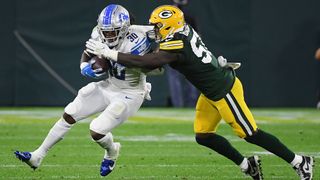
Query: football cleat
109, 163
254, 168
29, 159
304, 169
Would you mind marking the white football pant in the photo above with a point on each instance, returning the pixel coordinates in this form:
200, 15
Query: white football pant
115, 105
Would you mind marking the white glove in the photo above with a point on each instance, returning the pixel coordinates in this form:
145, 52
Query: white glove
222, 61
147, 89
234, 65
101, 50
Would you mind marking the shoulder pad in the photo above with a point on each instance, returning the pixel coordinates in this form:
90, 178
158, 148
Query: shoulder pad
171, 45
139, 45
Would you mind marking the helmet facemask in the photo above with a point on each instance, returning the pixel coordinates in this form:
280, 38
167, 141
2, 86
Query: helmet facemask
155, 32
111, 36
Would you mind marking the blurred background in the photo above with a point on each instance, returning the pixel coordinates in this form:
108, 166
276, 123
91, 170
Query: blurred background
42, 40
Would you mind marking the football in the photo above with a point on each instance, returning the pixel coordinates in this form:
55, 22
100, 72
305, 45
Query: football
97, 63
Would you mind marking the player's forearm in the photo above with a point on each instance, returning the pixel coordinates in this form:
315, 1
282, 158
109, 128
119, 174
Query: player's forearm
317, 54
85, 57
148, 61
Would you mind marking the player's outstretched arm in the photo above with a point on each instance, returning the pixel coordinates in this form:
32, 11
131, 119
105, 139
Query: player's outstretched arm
147, 61
85, 57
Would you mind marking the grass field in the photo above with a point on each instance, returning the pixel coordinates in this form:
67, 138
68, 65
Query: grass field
156, 144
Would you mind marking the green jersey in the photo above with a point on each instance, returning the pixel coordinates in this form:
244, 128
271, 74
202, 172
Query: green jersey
198, 64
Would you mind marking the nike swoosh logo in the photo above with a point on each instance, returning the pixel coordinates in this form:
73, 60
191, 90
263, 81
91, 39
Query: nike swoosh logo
306, 166
127, 97
111, 167
254, 172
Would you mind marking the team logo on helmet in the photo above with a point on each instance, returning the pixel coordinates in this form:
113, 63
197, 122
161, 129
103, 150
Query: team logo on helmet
123, 17
165, 14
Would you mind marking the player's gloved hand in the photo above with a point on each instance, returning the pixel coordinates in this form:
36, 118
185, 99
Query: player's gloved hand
87, 71
101, 50
152, 35
222, 61
98, 71
147, 89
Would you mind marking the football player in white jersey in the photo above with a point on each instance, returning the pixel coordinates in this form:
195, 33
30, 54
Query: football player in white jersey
116, 98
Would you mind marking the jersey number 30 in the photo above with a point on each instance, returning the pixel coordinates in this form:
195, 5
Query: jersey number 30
199, 49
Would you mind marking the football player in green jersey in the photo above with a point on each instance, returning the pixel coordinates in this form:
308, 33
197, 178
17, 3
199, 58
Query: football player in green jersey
221, 91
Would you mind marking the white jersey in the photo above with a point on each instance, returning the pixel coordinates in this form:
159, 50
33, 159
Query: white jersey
135, 42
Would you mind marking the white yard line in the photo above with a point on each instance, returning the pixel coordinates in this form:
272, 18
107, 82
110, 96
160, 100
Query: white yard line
314, 154
171, 113
37, 114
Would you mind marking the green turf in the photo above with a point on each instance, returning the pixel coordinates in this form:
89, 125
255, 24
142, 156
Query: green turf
156, 144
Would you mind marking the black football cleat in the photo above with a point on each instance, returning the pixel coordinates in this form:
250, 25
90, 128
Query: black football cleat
305, 168
254, 170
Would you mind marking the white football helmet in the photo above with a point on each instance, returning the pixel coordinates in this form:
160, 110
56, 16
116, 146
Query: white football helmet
113, 24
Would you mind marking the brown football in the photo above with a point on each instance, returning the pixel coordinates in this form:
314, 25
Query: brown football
97, 63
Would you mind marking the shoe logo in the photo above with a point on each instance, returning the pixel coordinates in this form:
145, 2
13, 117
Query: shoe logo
111, 167
254, 168
253, 171
306, 166
127, 97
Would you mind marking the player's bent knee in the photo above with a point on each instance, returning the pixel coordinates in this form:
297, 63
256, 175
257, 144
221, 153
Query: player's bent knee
254, 137
87, 90
96, 136
71, 109
69, 119
204, 138
109, 119
117, 108
74, 108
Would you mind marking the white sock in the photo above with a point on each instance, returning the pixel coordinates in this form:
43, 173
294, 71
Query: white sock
106, 143
297, 160
56, 133
244, 165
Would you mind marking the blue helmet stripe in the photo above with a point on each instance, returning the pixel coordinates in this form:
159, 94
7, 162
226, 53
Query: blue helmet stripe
108, 14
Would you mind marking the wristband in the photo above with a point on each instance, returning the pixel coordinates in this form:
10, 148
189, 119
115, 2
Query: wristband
113, 55
83, 64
